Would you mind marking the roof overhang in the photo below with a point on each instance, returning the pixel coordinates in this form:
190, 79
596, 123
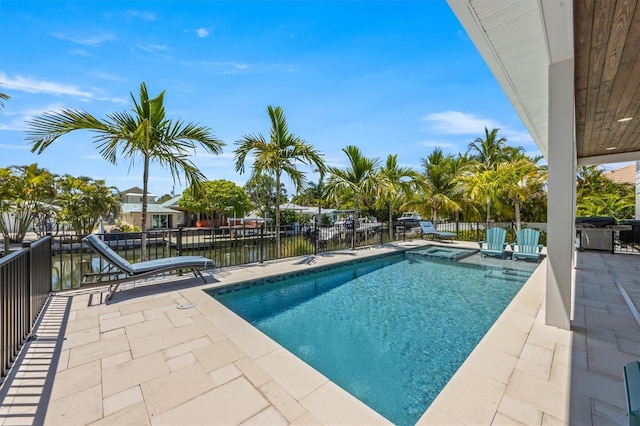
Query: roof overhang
520, 40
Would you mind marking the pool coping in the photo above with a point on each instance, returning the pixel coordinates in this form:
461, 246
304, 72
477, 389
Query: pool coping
207, 343
439, 410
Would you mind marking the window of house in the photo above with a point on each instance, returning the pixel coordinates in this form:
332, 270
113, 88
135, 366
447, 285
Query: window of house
160, 221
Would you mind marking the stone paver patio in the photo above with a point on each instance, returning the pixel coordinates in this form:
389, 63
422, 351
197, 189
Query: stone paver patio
141, 360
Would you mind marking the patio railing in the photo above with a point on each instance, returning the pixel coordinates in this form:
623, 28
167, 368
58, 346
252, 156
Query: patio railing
232, 246
25, 283
225, 246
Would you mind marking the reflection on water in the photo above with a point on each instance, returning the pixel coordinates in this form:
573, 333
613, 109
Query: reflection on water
69, 268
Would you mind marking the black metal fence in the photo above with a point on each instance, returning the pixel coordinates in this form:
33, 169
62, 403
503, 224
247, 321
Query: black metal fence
231, 246
226, 246
25, 283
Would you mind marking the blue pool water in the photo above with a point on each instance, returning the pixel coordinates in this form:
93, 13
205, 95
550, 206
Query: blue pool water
390, 331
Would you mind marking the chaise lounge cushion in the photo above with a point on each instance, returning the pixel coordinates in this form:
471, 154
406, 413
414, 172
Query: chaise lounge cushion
429, 229
120, 270
177, 262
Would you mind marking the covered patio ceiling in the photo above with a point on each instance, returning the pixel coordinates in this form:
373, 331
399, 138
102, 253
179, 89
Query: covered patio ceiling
520, 39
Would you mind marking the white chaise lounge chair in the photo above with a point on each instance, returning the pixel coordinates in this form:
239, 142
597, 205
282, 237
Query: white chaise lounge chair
119, 270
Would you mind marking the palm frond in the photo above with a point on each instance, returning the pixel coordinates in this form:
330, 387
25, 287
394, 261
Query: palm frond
44, 130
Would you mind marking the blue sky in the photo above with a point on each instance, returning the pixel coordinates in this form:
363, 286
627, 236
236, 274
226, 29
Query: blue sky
392, 77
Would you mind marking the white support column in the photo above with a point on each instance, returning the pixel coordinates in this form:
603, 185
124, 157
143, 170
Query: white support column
561, 196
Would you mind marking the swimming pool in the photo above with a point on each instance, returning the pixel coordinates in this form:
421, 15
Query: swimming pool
391, 331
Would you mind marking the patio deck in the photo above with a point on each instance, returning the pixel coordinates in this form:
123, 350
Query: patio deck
141, 360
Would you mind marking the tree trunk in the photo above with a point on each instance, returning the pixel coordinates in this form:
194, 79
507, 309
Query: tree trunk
390, 221
143, 221
488, 212
278, 248
516, 205
434, 215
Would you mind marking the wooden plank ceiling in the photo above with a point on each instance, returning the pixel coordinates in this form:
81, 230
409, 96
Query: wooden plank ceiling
607, 76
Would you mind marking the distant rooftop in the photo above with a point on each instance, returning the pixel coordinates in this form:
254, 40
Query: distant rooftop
151, 208
626, 174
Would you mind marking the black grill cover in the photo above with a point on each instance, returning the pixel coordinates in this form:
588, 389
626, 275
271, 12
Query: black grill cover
596, 221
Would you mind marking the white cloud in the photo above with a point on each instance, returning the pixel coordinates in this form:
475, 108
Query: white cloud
227, 155
80, 52
285, 67
339, 161
153, 48
107, 76
122, 101
223, 67
92, 41
30, 85
145, 16
516, 137
20, 147
14, 125
202, 32
460, 123
22, 117
446, 146
93, 157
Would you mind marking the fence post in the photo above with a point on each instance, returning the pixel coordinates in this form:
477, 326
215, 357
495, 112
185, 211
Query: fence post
353, 236
316, 237
477, 231
179, 242
262, 242
457, 229
27, 295
6, 246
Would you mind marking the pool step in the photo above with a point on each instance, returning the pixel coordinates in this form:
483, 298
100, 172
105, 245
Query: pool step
446, 253
507, 273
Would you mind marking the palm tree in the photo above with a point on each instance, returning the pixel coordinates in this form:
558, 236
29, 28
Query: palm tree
440, 172
398, 183
481, 186
488, 151
596, 195
312, 195
590, 179
146, 133
607, 204
278, 156
460, 165
359, 179
520, 180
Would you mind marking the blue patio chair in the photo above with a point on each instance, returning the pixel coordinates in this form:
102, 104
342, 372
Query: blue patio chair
118, 270
528, 247
632, 390
496, 245
429, 229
